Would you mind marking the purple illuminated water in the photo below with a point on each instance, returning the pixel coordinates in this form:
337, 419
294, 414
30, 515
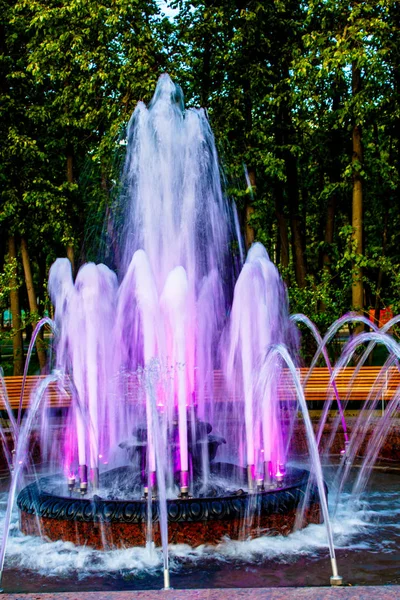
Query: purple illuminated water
171, 316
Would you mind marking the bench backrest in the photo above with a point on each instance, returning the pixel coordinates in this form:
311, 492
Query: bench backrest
317, 388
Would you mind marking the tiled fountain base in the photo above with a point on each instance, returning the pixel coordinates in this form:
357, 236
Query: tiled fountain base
105, 535
103, 523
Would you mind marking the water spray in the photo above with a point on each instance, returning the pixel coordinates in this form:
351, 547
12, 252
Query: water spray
250, 477
184, 480
94, 478
268, 480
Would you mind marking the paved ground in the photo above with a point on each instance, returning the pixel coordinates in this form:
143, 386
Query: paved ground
343, 593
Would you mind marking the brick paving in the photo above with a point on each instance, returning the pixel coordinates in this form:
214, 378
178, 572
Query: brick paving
315, 593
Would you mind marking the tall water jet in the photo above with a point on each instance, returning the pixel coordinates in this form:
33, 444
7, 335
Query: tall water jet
259, 319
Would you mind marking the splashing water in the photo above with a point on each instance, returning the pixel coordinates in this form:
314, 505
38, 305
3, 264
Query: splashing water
362, 533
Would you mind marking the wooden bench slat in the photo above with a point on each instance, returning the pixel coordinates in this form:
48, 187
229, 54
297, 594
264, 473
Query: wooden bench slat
317, 387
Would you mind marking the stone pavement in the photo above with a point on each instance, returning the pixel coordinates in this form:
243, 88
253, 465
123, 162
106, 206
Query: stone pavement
316, 593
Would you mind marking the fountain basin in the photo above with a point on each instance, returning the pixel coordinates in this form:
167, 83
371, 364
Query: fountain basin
105, 524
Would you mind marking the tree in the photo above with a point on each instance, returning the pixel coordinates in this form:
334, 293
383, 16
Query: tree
18, 349
96, 60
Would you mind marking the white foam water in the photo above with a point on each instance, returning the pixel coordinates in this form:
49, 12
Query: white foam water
373, 526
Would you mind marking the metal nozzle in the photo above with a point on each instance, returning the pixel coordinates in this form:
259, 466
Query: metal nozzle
344, 453
146, 492
71, 483
335, 579
268, 481
166, 580
260, 484
151, 485
83, 476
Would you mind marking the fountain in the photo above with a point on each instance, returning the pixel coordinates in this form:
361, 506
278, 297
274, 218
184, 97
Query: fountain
180, 422
140, 356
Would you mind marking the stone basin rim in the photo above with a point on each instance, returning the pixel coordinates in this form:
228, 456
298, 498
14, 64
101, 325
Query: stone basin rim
32, 500
303, 475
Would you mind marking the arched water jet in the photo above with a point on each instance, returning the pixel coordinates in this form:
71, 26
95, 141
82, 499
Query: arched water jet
384, 329
351, 347
280, 350
348, 318
40, 324
4, 396
317, 336
10, 414
344, 363
20, 457
334, 328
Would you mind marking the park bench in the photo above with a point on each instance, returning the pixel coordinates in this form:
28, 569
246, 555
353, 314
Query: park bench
14, 385
351, 386
317, 387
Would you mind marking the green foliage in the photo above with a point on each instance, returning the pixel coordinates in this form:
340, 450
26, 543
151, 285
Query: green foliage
276, 80
10, 268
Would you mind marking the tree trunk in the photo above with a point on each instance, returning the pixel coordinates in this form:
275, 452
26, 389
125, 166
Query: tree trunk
382, 197
71, 256
70, 167
249, 235
295, 220
33, 306
329, 230
335, 149
284, 138
283, 239
283, 258
205, 76
18, 348
70, 179
357, 208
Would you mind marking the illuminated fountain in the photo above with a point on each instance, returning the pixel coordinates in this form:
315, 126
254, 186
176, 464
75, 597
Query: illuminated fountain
140, 357
177, 428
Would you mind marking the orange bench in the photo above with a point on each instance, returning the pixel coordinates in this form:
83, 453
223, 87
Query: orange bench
14, 386
317, 387
349, 387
